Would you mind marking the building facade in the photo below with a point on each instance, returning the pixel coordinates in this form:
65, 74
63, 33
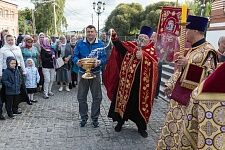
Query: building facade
9, 17
217, 12
217, 22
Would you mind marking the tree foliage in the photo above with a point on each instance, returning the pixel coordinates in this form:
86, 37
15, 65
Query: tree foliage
127, 19
202, 1
44, 18
25, 21
152, 12
198, 7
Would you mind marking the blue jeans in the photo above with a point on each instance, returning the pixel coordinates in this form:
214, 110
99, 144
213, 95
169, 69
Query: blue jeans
83, 88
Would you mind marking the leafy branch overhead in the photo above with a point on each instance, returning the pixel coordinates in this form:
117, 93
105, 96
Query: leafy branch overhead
44, 18
127, 19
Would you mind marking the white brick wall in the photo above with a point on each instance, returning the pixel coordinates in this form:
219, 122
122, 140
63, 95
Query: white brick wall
9, 17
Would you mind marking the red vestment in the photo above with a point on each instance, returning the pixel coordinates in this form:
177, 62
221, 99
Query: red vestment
120, 75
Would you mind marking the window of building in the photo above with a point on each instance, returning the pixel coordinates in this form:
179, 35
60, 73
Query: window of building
6, 13
12, 15
1, 12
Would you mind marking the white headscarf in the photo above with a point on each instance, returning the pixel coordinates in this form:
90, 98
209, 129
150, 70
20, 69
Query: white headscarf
6, 46
33, 64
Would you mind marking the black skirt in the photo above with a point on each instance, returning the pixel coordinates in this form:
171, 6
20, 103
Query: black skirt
31, 90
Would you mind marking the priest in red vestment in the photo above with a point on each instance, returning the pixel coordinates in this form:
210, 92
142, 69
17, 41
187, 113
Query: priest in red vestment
131, 79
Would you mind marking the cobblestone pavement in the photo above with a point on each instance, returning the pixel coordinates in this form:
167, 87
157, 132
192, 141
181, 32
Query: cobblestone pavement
53, 124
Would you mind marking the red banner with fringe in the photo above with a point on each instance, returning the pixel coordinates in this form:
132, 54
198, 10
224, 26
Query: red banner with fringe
167, 33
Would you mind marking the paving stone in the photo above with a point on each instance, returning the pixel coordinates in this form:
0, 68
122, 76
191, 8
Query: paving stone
53, 124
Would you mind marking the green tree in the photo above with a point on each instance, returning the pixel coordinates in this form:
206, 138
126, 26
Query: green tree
125, 18
204, 1
25, 21
198, 7
44, 17
152, 12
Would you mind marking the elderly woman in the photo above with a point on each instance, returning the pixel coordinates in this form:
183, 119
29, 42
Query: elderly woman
75, 68
63, 74
30, 51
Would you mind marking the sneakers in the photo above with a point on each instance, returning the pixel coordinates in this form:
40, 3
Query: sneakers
60, 89
51, 94
34, 101
45, 96
95, 124
67, 88
143, 133
2, 117
83, 123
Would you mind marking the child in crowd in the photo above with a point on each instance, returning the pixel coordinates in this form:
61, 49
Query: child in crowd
32, 79
12, 82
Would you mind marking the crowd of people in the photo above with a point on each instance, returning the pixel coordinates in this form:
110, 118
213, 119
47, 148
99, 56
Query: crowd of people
130, 73
28, 65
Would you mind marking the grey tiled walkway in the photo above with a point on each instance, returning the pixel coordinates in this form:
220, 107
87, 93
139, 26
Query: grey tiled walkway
53, 124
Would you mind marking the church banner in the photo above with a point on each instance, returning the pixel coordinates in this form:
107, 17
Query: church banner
167, 33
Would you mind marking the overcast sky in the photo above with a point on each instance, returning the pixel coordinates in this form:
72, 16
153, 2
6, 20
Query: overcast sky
79, 12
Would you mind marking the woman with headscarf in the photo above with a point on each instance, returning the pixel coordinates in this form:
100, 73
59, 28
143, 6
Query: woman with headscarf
10, 49
75, 68
30, 51
48, 69
63, 73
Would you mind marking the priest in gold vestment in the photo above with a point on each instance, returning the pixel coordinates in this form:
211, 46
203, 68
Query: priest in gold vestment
205, 120
200, 61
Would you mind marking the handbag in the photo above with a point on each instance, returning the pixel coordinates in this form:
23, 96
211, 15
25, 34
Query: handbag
59, 62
